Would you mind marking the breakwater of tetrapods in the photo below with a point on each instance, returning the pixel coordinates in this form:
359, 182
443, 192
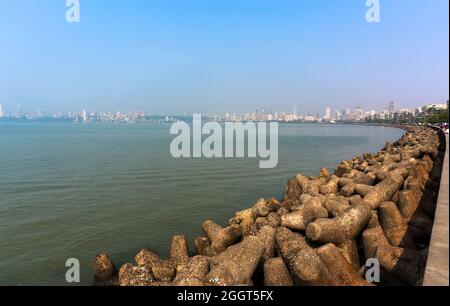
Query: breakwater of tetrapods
375, 208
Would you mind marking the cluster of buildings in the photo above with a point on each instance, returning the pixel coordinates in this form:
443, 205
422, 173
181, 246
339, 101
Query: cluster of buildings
109, 117
389, 113
405, 115
83, 117
264, 115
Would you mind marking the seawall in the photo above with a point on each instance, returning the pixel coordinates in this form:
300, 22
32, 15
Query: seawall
437, 269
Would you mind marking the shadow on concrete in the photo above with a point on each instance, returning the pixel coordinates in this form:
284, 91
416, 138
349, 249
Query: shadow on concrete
416, 241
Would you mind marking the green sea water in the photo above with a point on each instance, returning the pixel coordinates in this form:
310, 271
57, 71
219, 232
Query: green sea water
74, 190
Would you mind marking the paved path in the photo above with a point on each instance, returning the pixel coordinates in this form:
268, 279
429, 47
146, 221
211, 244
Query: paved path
437, 270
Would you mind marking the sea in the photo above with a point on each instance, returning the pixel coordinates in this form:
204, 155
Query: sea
72, 190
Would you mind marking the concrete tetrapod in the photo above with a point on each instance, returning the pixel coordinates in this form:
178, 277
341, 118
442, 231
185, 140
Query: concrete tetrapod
104, 270
179, 250
236, 265
302, 261
276, 273
192, 272
300, 219
220, 237
347, 226
341, 272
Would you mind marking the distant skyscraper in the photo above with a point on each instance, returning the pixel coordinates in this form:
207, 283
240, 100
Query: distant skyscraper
359, 113
327, 114
262, 116
2, 111
84, 115
391, 107
19, 111
294, 111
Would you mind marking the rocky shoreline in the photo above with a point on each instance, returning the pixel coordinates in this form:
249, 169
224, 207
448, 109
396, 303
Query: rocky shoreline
323, 232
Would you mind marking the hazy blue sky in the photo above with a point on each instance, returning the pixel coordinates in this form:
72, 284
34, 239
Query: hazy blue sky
214, 55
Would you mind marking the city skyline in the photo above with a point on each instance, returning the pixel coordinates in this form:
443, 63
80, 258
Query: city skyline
200, 56
7, 108
357, 113
328, 111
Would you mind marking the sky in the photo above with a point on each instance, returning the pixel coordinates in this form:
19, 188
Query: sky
176, 56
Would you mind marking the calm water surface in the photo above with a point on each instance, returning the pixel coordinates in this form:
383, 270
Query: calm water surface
72, 190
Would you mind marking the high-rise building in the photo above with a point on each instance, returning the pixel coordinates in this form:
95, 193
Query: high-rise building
2, 111
327, 116
84, 115
19, 111
262, 116
295, 111
359, 113
391, 107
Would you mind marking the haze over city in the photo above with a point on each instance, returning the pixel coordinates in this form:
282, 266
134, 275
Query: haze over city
179, 57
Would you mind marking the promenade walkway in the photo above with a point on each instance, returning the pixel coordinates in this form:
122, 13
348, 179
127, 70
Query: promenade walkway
437, 270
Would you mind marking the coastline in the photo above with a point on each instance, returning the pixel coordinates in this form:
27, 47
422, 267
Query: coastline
374, 206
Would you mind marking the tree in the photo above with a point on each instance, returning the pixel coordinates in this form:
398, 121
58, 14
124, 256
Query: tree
439, 116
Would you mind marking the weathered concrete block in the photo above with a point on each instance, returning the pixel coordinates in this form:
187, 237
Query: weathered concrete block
276, 273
